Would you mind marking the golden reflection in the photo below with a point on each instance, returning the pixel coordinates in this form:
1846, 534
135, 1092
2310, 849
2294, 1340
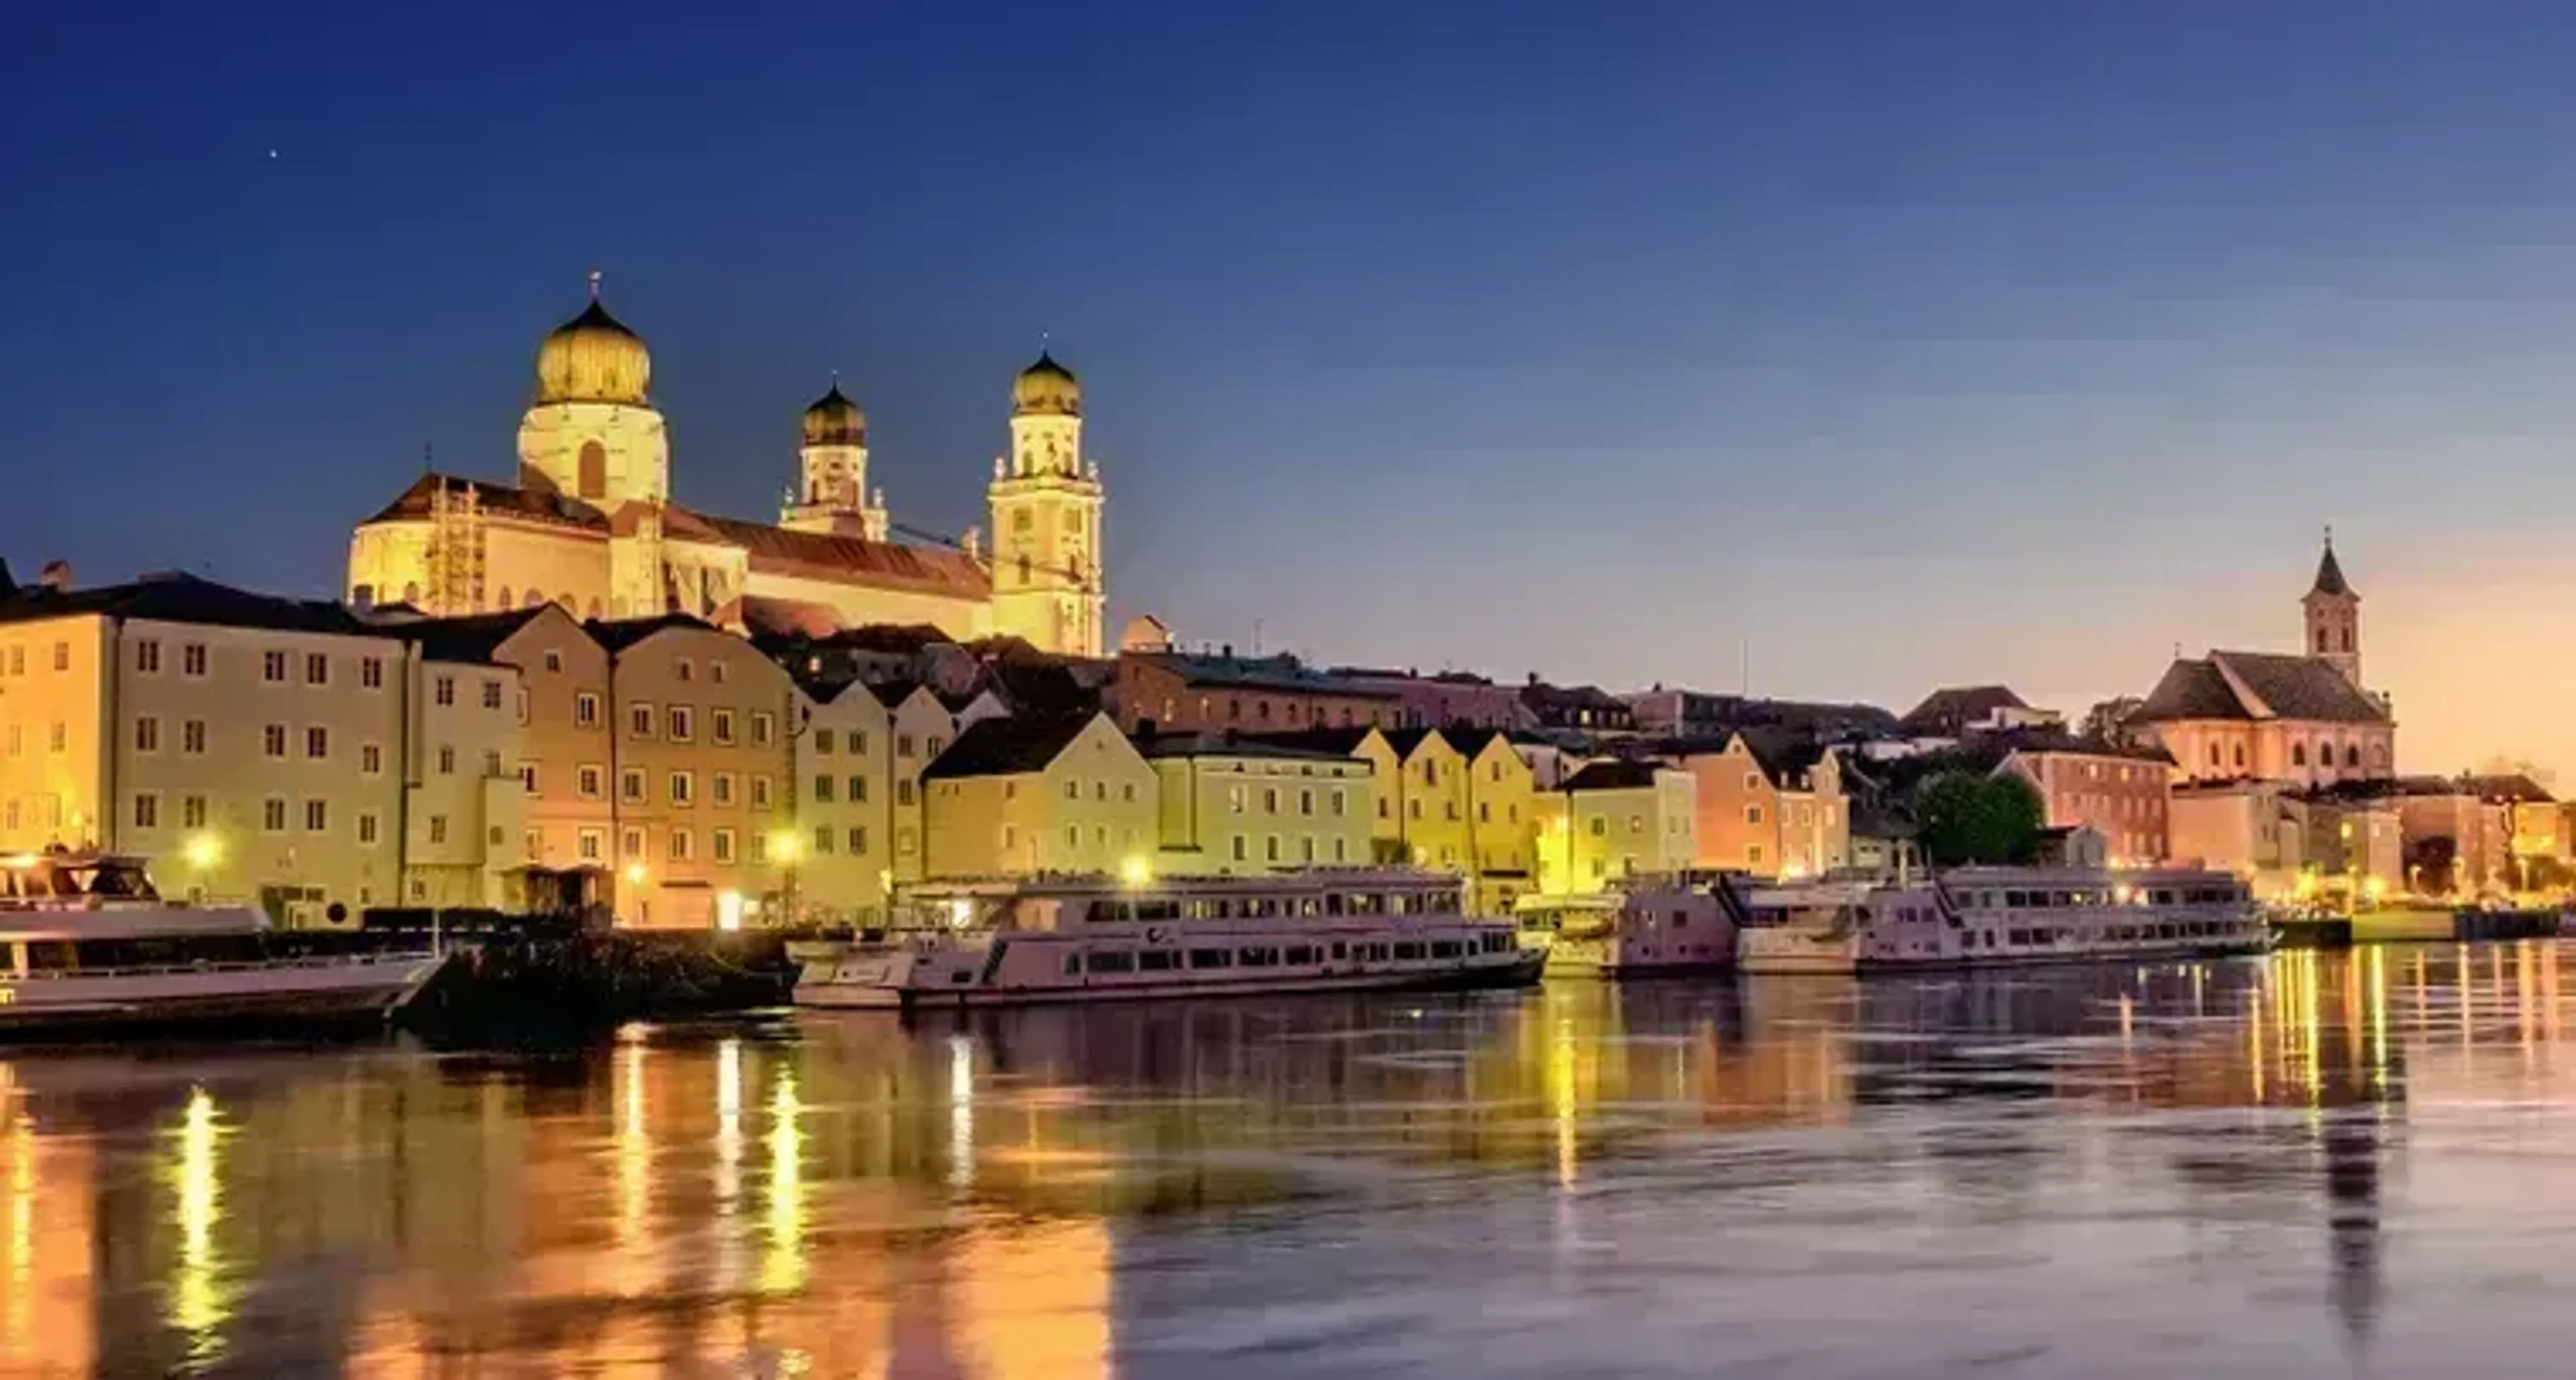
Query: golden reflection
1032, 1302
634, 1157
201, 1298
782, 1266
728, 1159
961, 1112
2379, 1017
22, 1234
1561, 1100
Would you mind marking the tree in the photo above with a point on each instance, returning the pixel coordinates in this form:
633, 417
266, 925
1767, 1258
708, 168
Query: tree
2431, 864
1965, 818
2108, 722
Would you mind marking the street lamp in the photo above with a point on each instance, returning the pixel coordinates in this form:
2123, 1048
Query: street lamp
786, 848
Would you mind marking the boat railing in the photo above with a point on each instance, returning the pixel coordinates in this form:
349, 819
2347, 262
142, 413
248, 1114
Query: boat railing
226, 966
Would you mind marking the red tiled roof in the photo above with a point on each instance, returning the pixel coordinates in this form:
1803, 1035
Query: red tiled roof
848, 560
496, 500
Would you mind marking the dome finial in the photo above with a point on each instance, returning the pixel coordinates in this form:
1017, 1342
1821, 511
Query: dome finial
594, 285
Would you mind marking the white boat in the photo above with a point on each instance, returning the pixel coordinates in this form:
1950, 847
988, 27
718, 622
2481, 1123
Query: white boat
1636, 931
1095, 938
85, 941
1995, 916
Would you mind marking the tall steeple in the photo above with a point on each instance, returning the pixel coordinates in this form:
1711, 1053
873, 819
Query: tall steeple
2333, 616
1046, 502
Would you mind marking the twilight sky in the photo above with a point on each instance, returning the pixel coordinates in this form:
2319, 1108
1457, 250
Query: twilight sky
1866, 346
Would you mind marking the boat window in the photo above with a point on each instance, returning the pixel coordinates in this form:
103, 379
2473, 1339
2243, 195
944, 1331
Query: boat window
1300, 955
1211, 958
1681, 919
1444, 948
1308, 905
50, 956
1497, 943
1258, 956
1110, 961
1158, 910
1408, 950
1157, 961
1341, 951
2015, 898
1073, 965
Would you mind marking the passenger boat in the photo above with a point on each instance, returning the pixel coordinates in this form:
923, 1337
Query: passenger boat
86, 941
1997, 916
1096, 938
1635, 931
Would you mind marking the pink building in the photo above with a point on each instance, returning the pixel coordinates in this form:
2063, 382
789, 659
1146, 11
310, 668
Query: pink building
2124, 793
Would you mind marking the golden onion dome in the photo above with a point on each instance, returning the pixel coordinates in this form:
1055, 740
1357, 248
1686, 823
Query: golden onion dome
593, 358
834, 420
1046, 388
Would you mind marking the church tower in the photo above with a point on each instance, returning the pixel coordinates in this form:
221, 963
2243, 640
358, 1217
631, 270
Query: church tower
1046, 519
832, 492
2334, 617
591, 434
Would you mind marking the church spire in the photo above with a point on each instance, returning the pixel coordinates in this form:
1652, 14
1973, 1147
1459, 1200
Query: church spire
2330, 571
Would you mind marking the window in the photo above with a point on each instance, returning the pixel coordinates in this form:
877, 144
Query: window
903, 792
630, 785
763, 728
760, 792
681, 845
1270, 800
639, 721
192, 659
438, 828
147, 734
585, 709
721, 844
147, 810
823, 741
317, 816
1305, 801
681, 722
272, 814
682, 670
859, 839
317, 669
147, 657
1600, 826
858, 742
317, 742
492, 694
443, 690
534, 843
722, 726
528, 777
859, 790
822, 790
823, 839
2298, 754
272, 740
587, 781
716, 671
2352, 754
1753, 814
58, 737
631, 844
192, 812
554, 660
683, 788
724, 788
366, 829
272, 666
590, 843
446, 760
1270, 848
935, 745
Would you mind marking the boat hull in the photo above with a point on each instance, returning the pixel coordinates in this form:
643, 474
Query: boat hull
340, 991
859, 986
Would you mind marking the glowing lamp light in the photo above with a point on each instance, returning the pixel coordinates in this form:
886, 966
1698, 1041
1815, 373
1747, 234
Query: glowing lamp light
961, 912
786, 847
203, 851
635, 874
728, 910
1135, 870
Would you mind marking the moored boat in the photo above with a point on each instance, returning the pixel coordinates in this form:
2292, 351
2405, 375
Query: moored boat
85, 941
1010, 941
2000, 916
1640, 930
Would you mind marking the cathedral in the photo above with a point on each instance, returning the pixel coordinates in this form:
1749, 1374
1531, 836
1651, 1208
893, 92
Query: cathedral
590, 523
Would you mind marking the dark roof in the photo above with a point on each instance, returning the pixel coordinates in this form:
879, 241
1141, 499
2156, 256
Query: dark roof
621, 633
2330, 574
892, 693
1281, 672
1952, 706
1036, 687
2513, 787
1222, 744
2037, 740
1470, 741
1612, 776
473, 638
1781, 755
181, 598
1339, 742
846, 560
1873, 821
1406, 740
496, 500
1007, 747
2281, 687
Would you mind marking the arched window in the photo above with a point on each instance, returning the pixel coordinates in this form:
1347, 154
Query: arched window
2352, 755
1024, 567
593, 609
593, 478
2321, 639
506, 601
2240, 756
2213, 754
2347, 637
536, 598
2298, 754
2379, 756
568, 602
411, 592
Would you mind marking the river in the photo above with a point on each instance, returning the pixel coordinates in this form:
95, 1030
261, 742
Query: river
2307, 1165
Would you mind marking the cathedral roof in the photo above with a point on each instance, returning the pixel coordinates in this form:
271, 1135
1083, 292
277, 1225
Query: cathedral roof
848, 560
496, 500
1046, 388
2258, 685
593, 358
2330, 574
834, 420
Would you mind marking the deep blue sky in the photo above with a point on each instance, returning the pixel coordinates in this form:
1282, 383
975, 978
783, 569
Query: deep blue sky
1899, 343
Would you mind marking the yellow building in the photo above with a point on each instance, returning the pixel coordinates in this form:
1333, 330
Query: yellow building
470, 776
1502, 817
859, 758
590, 522
1234, 806
248, 745
700, 758
1027, 796
1617, 819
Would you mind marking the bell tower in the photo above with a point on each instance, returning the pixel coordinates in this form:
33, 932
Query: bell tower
2333, 617
1046, 519
592, 432
832, 491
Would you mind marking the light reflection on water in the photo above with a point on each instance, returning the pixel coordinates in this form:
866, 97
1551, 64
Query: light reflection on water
2307, 1165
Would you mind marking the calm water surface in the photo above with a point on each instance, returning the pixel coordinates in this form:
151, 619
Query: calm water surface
2312, 1165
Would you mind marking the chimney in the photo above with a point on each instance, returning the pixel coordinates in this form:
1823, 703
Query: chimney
56, 577
1226, 651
